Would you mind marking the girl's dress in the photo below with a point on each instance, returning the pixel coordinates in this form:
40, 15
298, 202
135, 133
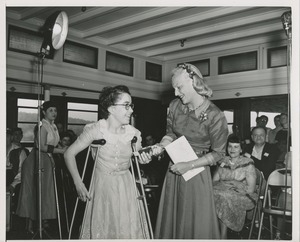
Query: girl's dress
28, 198
187, 208
231, 197
112, 212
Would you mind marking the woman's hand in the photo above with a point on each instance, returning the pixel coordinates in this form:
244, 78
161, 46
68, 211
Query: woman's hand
82, 192
157, 149
145, 157
180, 168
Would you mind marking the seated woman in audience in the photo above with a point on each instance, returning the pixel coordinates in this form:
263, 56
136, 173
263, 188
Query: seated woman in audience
234, 184
14, 159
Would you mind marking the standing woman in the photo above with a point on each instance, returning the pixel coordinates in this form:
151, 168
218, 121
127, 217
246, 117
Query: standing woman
112, 211
49, 138
186, 209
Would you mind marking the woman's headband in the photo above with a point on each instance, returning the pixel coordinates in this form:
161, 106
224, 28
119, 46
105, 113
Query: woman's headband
191, 70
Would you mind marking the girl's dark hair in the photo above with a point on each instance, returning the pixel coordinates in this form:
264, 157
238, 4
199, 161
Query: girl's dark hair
108, 97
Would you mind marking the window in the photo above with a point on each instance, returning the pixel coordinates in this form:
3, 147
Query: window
229, 117
238, 63
80, 114
153, 72
79, 54
277, 57
203, 66
119, 64
270, 116
26, 41
27, 118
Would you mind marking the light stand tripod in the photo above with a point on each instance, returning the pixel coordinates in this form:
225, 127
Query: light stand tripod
55, 31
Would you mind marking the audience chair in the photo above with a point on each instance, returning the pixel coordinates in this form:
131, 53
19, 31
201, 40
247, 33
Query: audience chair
280, 178
260, 182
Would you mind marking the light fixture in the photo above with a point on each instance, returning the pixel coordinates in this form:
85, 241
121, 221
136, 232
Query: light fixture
286, 19
182, 42
55, 32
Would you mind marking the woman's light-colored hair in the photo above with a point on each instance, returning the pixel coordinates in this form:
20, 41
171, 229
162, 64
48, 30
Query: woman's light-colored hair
194, 73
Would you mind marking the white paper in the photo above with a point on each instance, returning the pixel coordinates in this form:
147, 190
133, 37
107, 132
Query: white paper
180, 150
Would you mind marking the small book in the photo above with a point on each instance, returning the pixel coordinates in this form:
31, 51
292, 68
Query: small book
180, 150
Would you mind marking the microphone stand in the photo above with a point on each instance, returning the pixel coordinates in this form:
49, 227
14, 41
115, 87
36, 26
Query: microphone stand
286, 19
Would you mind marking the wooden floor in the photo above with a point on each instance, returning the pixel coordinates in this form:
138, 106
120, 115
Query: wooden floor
17, 232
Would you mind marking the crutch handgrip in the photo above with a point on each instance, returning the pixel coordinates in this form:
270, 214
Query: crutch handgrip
134, 140
99, 142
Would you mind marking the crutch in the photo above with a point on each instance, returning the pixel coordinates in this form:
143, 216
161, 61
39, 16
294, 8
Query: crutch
95, 144
57, 204
64, 198
143, 196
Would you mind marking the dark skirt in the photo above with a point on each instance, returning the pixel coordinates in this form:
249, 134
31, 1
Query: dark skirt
187, 209
28, 198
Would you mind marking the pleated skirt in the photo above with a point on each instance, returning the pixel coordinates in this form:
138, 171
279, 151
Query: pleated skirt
187, 208
113, 211
28, 198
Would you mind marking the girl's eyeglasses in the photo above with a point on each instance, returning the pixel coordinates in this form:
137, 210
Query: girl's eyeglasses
126, 105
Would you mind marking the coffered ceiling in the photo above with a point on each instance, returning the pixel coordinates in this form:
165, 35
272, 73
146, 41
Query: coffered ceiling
164, 33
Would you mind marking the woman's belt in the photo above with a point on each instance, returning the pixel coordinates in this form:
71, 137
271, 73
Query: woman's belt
201, 153
110, 171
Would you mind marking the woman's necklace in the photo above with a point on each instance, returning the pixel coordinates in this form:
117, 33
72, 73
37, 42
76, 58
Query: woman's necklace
193, 109
232, 162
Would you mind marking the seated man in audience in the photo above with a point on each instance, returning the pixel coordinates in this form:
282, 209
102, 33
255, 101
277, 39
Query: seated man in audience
262, 153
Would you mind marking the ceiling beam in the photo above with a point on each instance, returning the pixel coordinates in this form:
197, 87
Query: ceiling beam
143, 16
175, 23
214, 39
221, 47
89, 13
211, 26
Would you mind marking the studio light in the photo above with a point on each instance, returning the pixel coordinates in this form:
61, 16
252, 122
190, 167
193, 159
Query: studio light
55, 32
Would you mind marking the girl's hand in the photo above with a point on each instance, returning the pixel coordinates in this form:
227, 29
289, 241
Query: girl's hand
63, 149
82, 192
180, 168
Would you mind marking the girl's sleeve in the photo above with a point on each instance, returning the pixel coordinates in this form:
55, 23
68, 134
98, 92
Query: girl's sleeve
139, 140
86, 137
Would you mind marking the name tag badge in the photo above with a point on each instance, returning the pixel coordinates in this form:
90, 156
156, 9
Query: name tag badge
266, 154
222, 164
